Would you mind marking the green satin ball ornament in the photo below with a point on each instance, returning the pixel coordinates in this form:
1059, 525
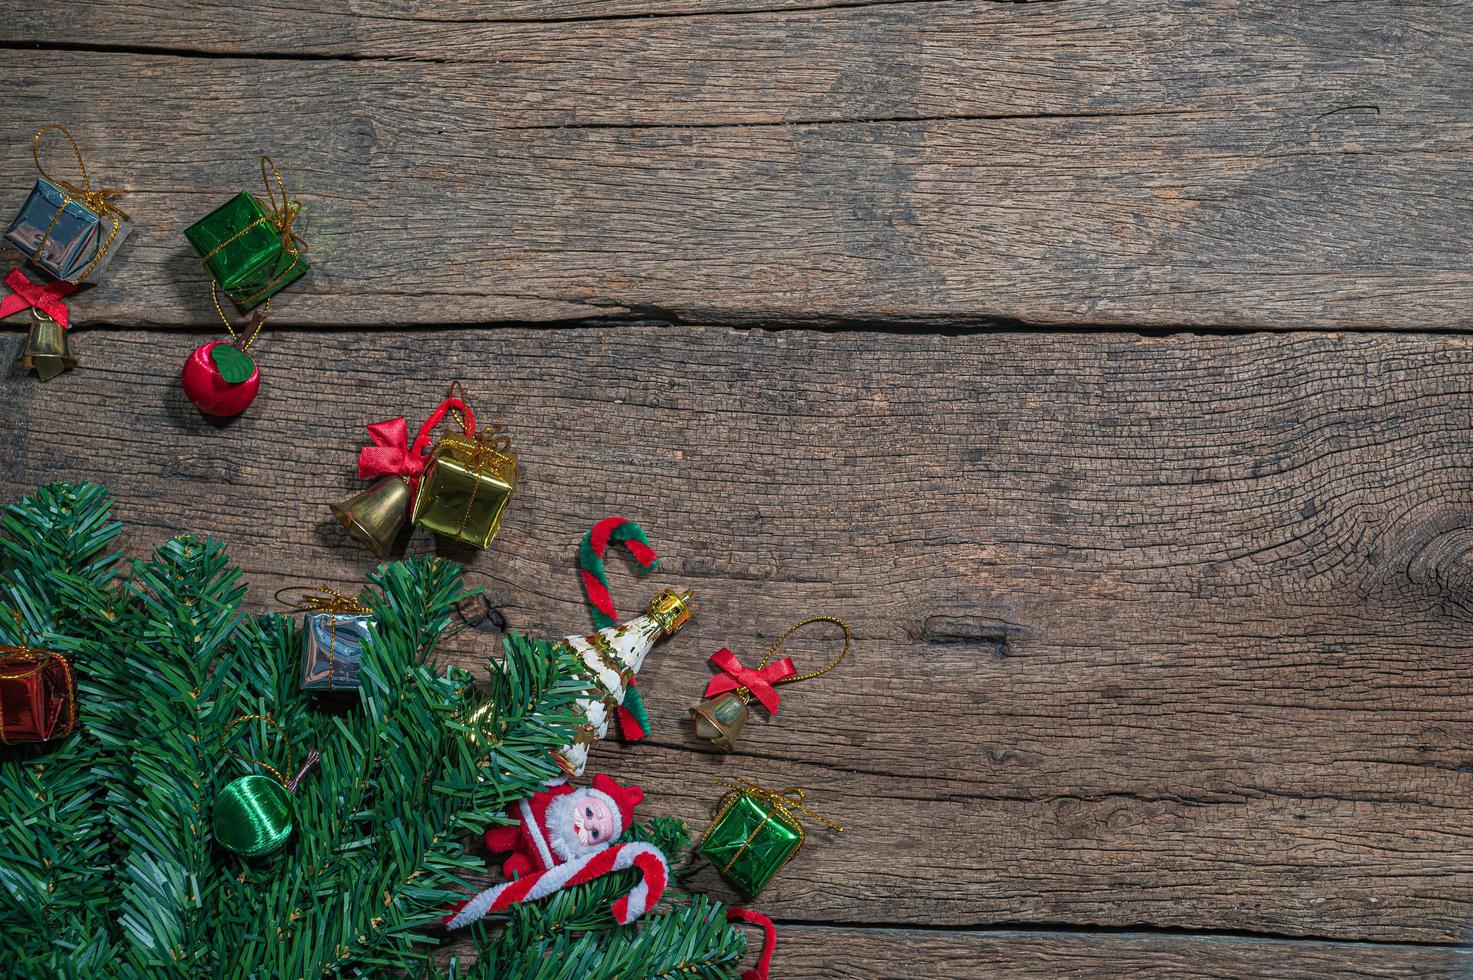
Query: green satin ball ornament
253, 815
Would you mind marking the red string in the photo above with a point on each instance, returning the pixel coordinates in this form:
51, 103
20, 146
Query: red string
769, 940
422, 439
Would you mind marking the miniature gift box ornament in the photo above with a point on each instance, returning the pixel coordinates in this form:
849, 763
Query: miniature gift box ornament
460, 489
38, 695
755, 833
69, 231
466, 486
334, 630
252, 253
611, 657
248, 245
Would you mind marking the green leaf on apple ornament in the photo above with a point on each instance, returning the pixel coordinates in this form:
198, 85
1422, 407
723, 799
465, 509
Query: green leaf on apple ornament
235, 364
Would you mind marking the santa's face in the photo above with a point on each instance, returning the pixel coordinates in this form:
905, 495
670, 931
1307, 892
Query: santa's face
593, 824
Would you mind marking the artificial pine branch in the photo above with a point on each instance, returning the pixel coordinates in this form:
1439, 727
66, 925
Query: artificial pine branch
175, 690
54, 858
109, 865
380, 853
689, 940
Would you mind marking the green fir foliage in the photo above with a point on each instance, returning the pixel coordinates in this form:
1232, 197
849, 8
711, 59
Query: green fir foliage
107, 860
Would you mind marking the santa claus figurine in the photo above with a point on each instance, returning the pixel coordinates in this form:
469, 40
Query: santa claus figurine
564, 824
565, 837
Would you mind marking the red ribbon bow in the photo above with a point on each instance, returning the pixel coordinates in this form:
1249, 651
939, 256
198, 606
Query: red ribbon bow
47, 299
760, 682
392, 455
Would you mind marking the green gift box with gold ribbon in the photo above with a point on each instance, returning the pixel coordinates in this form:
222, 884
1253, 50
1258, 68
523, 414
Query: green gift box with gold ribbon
248, 245
755, 833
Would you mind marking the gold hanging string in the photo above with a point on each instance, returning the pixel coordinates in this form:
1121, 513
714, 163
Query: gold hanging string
787, 799
325, 599
38, 659
99, 202
489, 436
745, 692
264, 765
281, 215
260, 319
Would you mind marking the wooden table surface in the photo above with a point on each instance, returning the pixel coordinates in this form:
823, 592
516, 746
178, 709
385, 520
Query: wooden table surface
1106, 365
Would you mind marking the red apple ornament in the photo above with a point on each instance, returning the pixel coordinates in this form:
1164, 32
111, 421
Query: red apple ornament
221, 379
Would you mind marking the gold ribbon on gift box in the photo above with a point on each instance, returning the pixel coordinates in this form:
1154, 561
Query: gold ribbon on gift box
783, 801
99, 202
279, 215
324, 599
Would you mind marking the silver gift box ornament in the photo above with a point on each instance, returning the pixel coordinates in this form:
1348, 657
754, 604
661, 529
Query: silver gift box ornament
332, 650
62, 237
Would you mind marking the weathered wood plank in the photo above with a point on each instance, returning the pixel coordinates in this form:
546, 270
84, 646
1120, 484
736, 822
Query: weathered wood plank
900, 954
807, 952
1144, 164
1165, 631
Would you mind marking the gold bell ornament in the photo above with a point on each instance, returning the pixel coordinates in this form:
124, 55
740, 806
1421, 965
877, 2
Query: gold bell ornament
376, 516
48, 349
720, 717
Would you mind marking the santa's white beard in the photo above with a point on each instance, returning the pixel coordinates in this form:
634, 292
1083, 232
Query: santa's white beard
561, 837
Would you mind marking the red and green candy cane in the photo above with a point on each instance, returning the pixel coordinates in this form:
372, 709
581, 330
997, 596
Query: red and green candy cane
634, 720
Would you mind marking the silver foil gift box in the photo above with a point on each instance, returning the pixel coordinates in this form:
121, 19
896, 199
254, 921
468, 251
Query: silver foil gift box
62, 236
332, 650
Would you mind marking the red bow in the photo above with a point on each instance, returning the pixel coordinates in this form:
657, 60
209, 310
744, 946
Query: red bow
389, 455
759, 682
47, 299
392, 455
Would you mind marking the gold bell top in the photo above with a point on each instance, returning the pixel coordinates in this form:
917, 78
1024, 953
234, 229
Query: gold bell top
671, 610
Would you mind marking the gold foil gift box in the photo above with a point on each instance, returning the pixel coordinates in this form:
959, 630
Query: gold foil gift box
466, 486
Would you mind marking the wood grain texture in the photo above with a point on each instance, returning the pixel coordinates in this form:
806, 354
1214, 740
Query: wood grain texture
1151, 164
904, 954
808, 952
1163, 631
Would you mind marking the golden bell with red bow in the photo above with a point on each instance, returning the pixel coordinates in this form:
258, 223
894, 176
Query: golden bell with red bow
719, 718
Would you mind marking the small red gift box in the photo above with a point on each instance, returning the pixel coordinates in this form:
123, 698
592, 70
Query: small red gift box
38, 696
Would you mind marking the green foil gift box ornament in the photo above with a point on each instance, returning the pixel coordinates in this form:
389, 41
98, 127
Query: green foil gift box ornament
755, 833
248, 245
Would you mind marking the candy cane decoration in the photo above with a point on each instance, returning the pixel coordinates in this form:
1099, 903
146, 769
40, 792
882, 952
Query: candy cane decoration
647, 858
634, 721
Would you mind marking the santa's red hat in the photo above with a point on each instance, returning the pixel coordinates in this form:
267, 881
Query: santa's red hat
622, 798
